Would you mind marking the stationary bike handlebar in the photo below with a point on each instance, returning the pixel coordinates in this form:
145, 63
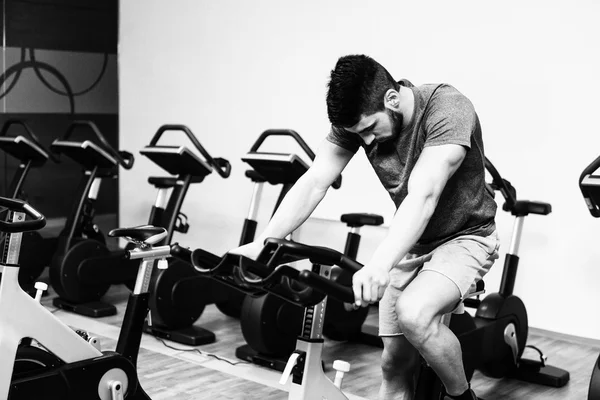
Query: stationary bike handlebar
289, 132
592, 203
284, 132
271, 274
16, 205
32, 136
590, 169
518, 208
253, 277
277, 250
222, 166
124, 158
502, 185
220, 269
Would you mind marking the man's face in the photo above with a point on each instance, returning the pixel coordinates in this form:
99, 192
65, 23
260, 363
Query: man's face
379, 127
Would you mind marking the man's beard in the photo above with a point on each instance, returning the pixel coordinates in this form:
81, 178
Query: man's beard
397, 121
389, 145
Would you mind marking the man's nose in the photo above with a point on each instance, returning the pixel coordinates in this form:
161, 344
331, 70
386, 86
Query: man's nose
368, 139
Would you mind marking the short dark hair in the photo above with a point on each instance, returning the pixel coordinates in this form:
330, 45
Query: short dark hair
357, 86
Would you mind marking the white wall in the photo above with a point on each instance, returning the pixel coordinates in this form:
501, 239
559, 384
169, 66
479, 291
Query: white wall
231, 69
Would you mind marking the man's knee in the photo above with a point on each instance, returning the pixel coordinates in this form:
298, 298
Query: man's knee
421, 305
418, 322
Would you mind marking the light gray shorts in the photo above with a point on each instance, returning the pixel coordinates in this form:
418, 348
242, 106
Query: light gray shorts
464, 260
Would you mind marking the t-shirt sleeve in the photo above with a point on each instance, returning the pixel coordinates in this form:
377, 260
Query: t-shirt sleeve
450, 119
347, 140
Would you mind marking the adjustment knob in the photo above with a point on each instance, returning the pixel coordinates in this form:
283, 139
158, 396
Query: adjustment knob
40, 288
341, 367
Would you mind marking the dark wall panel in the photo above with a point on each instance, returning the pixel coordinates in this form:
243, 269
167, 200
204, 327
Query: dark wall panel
68, 25
52, 187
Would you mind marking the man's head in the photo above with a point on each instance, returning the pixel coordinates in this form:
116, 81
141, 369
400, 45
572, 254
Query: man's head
364, 98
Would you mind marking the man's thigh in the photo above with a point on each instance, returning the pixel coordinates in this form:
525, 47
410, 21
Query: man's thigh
441, 282
464, 260
429, 296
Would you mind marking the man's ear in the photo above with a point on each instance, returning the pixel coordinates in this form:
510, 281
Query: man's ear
392, 99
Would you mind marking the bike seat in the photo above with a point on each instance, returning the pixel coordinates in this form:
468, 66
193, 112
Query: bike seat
356, 220
147, 234
255, 176
474, 291
160, 182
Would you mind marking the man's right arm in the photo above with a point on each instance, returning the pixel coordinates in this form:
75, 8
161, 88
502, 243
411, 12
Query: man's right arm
303, 197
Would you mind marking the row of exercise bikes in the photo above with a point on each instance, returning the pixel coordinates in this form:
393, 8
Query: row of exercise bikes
285, 313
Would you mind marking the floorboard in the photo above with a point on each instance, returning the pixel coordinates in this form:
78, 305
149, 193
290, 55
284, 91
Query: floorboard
213, 372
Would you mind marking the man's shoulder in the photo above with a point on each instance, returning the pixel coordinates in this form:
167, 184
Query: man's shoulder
444, 95
439, 90
344, 139
428, 89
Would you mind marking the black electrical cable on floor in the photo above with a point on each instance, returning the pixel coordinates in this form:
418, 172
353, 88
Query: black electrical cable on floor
201, 353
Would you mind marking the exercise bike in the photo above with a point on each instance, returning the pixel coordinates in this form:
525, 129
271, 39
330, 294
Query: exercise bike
81, 238
168, 320
27, 149
101, 270
65, 364
270, 325
590, 189
493, 341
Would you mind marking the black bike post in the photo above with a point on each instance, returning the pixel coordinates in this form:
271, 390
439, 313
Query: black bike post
130, 336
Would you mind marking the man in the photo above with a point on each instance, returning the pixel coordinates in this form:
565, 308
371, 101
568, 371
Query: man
425, 146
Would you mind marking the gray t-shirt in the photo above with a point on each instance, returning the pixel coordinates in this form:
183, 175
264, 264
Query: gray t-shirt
442, 115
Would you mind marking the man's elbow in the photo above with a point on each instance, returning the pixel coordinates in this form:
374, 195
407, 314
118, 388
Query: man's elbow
428, 200
313, 182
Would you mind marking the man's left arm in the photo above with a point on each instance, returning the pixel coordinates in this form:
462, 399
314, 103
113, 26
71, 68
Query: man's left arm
433, 169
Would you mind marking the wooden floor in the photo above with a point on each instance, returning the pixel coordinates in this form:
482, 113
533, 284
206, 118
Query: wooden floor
185, 373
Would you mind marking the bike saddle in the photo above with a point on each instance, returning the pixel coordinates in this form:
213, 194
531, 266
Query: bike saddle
146, 234
357, 220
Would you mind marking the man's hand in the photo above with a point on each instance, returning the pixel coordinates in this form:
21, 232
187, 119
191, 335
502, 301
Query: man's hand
369, 284
250, 250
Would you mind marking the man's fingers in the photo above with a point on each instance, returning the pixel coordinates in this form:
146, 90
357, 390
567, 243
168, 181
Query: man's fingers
368, 289
357, 289
375, 288
366, 294
381, 291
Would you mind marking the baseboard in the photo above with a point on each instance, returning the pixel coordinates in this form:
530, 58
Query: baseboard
566, 337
